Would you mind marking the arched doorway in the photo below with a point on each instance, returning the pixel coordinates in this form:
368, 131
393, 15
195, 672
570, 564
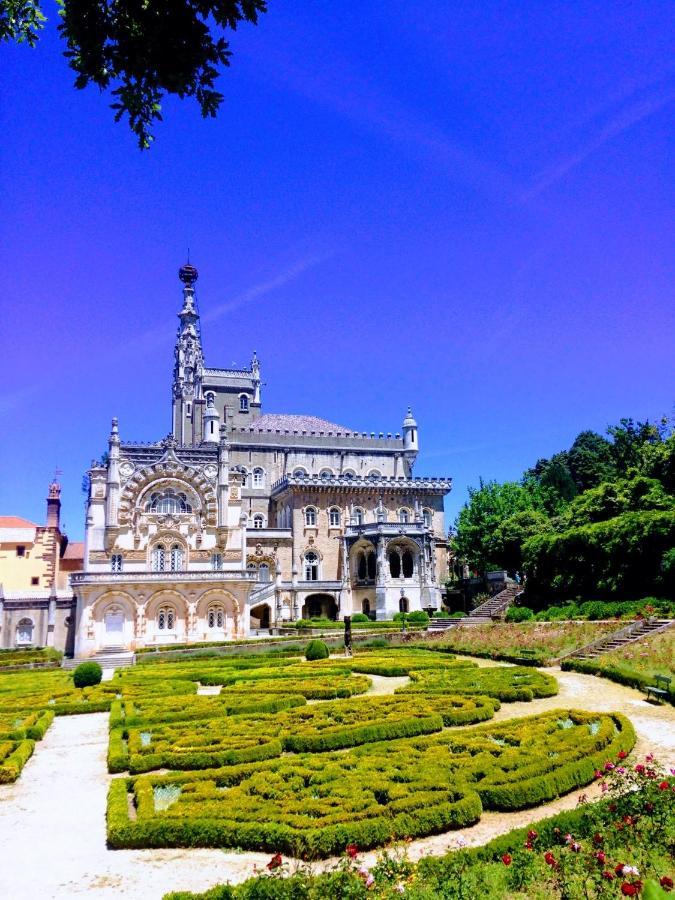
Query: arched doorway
320, 606
261, 616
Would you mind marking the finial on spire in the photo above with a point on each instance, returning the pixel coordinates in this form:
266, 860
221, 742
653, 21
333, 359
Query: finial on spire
188, 274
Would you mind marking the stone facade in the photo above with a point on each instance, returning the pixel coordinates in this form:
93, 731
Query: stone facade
239, 521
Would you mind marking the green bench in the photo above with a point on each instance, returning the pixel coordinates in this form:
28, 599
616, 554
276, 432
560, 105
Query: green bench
661, 689
526, 656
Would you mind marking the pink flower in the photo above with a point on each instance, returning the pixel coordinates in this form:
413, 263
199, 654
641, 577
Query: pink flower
597, 774
639, 768
601, 856
609, 766
621, 770
649, 757
370, 881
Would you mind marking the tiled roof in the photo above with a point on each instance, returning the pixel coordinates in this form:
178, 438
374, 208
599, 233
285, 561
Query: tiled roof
15, 522
74, 550
280, 422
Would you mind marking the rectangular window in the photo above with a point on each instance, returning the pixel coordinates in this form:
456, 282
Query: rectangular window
116, 562
20, 550
35, 581
217, 561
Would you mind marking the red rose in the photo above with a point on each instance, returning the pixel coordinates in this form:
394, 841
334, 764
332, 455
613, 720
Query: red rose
352, 851
628, 890
619, 869
622, 754
597, 838
532, 835
649, 807
549, 859
275, 862
608, 876
506, 859
601, 856
664, 786
666, 882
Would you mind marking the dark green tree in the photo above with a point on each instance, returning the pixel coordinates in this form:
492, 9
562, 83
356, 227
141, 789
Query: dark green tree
554, 480
141, 50
629, 439
510, 536
590, 460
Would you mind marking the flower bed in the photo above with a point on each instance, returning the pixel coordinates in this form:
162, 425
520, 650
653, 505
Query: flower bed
501, 640
314, 805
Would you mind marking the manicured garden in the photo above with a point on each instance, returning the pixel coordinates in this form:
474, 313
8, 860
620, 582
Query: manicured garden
296, 758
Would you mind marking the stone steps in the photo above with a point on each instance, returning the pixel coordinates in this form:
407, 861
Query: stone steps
618, 640
110, 658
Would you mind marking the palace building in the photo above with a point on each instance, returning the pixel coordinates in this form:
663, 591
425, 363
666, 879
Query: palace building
240, 521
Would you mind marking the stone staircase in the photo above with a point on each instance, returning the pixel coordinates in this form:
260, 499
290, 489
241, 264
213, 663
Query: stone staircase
635, 631
492, 609
110, 658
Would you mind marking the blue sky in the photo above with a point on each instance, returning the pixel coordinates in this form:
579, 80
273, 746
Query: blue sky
469, 210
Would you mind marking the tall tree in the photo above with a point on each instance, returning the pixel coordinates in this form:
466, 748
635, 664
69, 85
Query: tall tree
140, 49
590, 460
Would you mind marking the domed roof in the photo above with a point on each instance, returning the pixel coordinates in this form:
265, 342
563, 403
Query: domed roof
281, 422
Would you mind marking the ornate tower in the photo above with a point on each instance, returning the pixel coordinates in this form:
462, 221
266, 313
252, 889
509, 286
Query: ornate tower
188, 370
410, 439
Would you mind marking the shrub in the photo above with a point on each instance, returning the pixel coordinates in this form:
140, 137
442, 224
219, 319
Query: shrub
418, 617
316, 650
87, 674
360, 617
519, 614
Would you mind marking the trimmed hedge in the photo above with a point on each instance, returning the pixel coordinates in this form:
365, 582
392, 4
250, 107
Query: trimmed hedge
313, 806
87, 674
316, 650
13, 757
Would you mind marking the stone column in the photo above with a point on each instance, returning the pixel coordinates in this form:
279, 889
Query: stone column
51, 621
380, 580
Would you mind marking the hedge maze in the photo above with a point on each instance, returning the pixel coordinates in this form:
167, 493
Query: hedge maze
296, 757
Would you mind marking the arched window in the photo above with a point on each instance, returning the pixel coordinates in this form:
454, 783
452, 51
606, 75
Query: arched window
176, 558
24, 631
374, 473
403, 516
258, 477
159, 558
403, 605
243, 403
168, 502
326, 473
365, 607
310, 516
263, 572
428, 518
357, 515
299, 472
362, 568
407, 564
349, 473
395, 564
258, 521
311, 566
372, 566
166, 618
216, 617
334, 517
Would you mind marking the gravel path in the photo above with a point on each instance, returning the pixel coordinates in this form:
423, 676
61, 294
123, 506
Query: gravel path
52, 821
